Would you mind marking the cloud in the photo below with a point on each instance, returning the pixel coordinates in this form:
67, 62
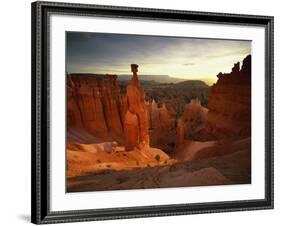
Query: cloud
227, 53
176, 56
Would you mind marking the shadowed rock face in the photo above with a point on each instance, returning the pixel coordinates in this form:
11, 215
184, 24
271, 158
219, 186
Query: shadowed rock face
194, 117
180, 132
230, 103
161, 124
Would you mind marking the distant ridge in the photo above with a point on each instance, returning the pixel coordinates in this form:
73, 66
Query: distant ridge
156, 78
192, 83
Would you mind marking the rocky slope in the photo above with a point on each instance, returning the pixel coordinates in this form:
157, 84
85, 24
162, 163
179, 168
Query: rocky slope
83, 159
234, 167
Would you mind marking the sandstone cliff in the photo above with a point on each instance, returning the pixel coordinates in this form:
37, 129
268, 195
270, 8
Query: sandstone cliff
94, 104
230, 103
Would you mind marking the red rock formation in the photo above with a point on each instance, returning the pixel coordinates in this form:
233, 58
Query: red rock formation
194, 111
194, 118
123, 106
111, 96
154, 115
180, 132
230, 103
166, 121
161, 124
94, 104
136, 114
74, 114
131, 130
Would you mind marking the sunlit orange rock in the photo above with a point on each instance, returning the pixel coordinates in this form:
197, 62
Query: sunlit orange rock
74, 114
93, 103
123, 106
137, 110
84, 105
131, 130
110, 89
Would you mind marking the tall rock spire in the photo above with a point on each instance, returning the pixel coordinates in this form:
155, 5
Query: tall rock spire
136, 118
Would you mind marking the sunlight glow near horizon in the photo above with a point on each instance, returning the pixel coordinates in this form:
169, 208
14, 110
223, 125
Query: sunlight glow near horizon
186, 58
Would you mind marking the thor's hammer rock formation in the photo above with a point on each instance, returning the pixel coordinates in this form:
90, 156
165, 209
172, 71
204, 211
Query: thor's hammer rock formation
136, 118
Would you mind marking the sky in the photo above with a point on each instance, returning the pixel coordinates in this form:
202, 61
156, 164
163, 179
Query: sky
180, 57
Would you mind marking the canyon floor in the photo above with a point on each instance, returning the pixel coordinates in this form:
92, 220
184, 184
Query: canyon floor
230, 164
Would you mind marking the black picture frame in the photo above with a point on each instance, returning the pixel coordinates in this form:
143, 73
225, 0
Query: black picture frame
40, 211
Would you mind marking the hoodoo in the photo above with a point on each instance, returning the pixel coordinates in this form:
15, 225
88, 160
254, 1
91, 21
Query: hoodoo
136, 118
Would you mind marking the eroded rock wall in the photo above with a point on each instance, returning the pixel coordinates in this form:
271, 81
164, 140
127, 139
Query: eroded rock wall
230, 103
94, 103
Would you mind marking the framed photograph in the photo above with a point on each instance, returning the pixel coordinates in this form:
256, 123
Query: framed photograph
141, 112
